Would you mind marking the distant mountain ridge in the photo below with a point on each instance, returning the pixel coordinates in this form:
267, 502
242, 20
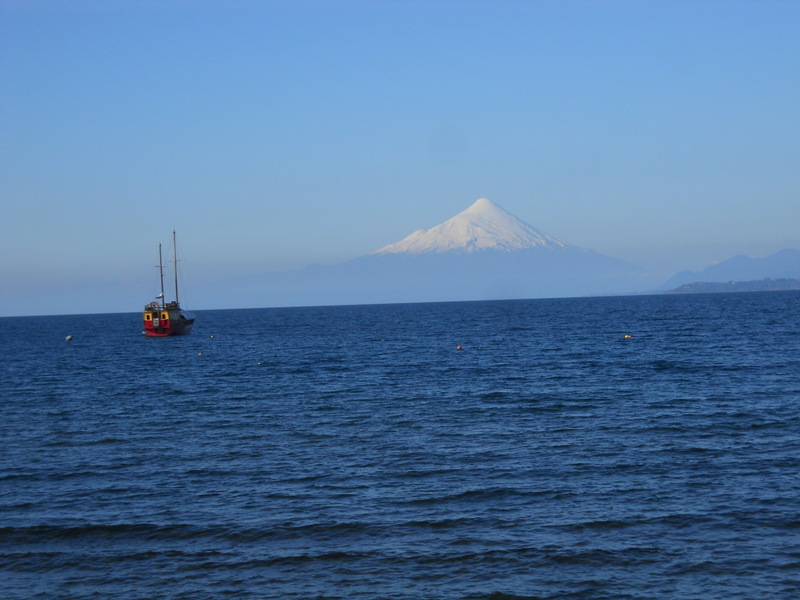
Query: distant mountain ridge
784, 264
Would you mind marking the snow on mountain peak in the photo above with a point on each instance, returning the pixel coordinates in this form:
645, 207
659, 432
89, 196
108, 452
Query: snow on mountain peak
483, 226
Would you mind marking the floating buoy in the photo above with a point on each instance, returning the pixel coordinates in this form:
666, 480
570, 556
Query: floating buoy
68, 338
459, 348
199, 354
627, 335
212, 336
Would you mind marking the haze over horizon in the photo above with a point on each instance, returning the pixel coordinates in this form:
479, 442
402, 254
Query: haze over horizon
276, 134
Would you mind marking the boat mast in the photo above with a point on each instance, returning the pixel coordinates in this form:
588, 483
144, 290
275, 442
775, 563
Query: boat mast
161, 273
175, 265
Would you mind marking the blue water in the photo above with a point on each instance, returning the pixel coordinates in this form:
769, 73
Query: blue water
354, 452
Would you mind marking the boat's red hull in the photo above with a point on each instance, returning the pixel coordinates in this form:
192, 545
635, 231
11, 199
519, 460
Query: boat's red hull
167, 332
162, 322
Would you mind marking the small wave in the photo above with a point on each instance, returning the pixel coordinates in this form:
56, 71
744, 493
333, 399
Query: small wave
179, 532
39, 533
453, 523
470, 496
707, 566
626, 557
503, 596
497, 395
603, 525
679, 520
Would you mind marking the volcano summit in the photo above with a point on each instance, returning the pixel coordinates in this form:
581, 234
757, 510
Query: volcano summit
483, 226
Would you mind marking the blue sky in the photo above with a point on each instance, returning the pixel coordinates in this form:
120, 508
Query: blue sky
274, 134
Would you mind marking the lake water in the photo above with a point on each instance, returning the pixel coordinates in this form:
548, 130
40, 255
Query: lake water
626, 448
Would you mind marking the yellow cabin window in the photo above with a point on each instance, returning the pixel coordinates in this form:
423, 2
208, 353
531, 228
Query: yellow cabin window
148, 317
164, 316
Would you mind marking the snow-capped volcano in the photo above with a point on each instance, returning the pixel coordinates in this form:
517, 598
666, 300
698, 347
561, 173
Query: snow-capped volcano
483, 253
483, 226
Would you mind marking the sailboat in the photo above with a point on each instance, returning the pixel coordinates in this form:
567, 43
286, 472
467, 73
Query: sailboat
167, 318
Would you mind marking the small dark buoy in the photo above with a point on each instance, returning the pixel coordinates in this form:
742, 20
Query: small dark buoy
69, 338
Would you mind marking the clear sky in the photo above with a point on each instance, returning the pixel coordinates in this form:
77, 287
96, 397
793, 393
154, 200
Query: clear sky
273, 134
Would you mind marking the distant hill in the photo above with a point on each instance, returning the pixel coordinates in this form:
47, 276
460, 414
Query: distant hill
784, 264
482, 253
760, 285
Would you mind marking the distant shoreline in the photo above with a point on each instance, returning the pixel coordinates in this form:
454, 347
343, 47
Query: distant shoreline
759, 285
